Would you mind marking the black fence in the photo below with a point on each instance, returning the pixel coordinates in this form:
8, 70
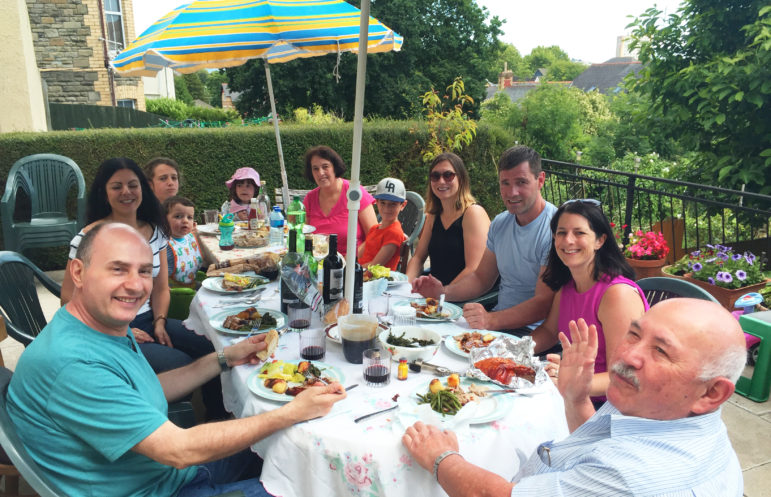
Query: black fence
689, 215
81, 116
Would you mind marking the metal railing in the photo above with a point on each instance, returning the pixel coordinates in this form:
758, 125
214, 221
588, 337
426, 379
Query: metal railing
689, 215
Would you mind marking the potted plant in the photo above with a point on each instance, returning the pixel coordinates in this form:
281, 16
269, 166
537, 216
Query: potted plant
726, 274
646, 252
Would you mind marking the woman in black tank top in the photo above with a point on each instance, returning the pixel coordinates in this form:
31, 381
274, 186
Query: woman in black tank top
455, 232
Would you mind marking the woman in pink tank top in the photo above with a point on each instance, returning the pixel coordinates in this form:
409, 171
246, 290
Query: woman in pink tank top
593, 281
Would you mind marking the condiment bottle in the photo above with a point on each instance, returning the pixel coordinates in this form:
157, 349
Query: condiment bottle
402, 369
253, 219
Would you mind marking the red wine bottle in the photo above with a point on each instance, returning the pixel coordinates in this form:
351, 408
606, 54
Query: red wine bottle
333, 273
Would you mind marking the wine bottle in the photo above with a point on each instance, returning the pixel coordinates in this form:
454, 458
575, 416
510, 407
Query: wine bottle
333, 273
291, 259
358, 289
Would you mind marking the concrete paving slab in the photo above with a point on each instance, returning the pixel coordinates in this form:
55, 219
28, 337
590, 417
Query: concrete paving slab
756, 481
749, 436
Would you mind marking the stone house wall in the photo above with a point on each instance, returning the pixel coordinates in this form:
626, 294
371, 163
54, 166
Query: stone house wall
67, 36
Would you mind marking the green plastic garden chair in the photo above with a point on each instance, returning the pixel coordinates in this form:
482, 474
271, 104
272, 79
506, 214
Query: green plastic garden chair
661, 288
412, 218
46, 180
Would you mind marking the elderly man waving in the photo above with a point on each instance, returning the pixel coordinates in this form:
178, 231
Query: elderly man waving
660, 432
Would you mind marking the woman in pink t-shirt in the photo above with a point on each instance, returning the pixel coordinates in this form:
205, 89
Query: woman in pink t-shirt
593, 281
326, 207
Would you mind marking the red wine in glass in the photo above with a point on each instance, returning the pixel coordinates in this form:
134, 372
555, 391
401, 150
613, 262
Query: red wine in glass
313, 353
300, 324
376, 373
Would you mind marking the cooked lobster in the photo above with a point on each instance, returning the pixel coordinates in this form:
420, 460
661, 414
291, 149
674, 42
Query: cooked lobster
503, 370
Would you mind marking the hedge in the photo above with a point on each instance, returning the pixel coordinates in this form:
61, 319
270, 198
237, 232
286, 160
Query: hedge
209, 156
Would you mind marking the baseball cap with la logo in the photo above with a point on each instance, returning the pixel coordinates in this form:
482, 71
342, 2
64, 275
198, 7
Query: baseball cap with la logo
391, 189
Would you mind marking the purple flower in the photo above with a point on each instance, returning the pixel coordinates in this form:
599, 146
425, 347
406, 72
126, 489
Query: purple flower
710, 261
723, 256
749, 257
724, 277
736, 257
696, 253
696, 267
741, 275
711, 280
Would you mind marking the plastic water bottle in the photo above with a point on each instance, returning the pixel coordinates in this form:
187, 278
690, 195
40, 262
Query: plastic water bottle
276, 237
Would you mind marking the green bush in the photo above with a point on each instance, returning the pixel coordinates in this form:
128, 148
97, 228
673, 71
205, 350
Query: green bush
209, 156
179, 111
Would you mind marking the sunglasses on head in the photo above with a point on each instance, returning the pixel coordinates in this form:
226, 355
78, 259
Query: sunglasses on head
447, 175
589, 201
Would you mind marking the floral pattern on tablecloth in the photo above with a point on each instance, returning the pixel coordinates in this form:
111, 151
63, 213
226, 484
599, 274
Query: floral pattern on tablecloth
359, 474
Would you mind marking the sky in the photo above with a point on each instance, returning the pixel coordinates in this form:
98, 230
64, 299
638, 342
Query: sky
587, 31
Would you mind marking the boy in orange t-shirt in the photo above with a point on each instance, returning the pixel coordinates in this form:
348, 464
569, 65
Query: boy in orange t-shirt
383, 241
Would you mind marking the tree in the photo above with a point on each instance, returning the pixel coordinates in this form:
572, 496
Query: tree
511, 57
444, 39
564, 70
214, 87
542, 56
181, 91
195, 87
707, 74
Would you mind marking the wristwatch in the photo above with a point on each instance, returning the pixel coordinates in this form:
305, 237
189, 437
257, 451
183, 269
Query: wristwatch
222, 361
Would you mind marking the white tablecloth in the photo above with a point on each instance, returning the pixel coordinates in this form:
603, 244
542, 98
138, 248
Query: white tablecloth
335, 456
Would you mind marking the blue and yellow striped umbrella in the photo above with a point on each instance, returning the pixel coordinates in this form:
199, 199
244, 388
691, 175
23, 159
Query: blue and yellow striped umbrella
209, 34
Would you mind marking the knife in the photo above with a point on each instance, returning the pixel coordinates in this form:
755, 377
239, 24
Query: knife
362, 418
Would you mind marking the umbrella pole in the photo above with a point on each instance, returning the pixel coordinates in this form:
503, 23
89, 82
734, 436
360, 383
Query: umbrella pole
284, 182
354, 192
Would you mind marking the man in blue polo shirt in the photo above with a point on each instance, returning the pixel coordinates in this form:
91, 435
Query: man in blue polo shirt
518, 244
93, 414
660, 433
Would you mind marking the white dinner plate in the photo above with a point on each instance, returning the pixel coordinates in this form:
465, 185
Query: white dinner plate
488, 409
216, 320
333, 332
452, 344
257, 387
215, 284
453, 311
212, 229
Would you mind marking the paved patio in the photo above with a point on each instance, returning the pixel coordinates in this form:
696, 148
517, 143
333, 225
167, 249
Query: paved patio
748, 422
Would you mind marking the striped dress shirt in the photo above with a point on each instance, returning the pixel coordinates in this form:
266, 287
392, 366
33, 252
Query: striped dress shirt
612, 455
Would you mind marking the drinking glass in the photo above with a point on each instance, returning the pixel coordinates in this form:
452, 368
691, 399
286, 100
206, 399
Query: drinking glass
405, 316
377, 367
358, 333
211, 217
299, 316
379, 307
320, 246
313, 344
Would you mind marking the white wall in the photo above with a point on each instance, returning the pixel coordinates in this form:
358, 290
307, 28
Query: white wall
161, 86
21, 97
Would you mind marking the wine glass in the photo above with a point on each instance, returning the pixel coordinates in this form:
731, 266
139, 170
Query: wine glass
320, 246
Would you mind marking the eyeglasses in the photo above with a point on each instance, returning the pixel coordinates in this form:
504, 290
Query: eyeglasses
447, 175
590, 201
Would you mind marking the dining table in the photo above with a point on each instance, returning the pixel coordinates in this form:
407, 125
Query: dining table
333, 455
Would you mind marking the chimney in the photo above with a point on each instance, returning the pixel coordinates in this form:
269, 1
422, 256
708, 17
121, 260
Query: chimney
506, 78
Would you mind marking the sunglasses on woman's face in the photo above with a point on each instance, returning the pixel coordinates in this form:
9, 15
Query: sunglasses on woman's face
447, 175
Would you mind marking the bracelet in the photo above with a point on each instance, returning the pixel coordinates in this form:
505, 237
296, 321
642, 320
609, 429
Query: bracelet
158, 318
223, 362
441, 457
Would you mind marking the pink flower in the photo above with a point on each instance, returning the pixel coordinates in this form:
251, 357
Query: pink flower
405, 459
367, 458
356, 474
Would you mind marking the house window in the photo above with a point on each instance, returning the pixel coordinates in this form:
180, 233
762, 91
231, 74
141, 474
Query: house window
127, 102
113, 18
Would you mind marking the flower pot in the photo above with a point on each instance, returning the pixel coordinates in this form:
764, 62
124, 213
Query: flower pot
646, 268
668, 275
726, 296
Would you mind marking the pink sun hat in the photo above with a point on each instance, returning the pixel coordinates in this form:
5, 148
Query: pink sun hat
244, 173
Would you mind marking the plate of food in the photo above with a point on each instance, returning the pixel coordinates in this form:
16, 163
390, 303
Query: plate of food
281, 381
239, 321
426, 309
453, 399
463, 343
333, 332
376, 272
251, 239
234, 283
